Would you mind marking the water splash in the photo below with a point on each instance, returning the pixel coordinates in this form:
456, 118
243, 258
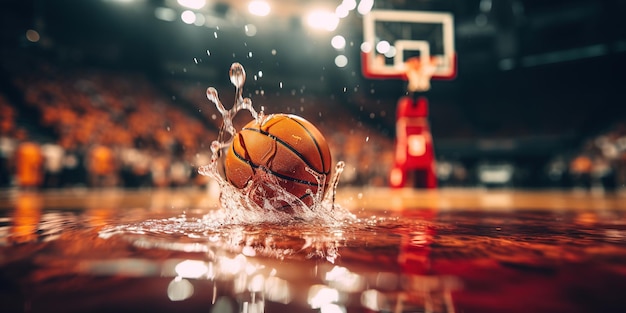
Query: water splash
236, 205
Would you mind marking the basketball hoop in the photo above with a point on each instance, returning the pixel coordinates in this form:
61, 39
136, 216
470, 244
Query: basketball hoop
418, 73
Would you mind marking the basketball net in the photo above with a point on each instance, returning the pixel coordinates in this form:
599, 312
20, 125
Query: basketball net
419, 71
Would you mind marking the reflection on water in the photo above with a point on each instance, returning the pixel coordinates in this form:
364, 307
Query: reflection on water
86, 259
98, 258
295, 263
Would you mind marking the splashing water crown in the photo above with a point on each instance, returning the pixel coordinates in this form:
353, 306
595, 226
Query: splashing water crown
236, 206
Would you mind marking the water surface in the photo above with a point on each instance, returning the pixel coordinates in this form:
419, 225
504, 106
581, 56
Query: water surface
165, 252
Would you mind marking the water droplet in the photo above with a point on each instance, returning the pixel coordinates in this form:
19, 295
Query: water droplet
208, 52
280, 84
345, 89
215, 34
215, 146
211, 94
236, 203
260, 74
250, 54
237, 75
273, 51
367, 139
372, 115
195, 60
167, 128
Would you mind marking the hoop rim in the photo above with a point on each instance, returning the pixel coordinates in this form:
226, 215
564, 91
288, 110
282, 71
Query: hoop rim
370, 71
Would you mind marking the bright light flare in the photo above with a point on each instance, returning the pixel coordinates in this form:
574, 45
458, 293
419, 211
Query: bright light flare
332, 308
349, 4
383, 46
259, 8
338, 42
191, 269
341, 61
188, 17
365, 6
278, 290
179, 289
200, 19
366, 47
257, 283
344, 280
342, 11
391, 52
235, 265
320, 295
192, 4
322, 20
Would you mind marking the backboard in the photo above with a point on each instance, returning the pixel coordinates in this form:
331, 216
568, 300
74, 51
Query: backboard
391, 37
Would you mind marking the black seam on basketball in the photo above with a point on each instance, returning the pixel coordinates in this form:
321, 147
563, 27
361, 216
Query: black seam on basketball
243, 158
319, 149
279, 175
292, 149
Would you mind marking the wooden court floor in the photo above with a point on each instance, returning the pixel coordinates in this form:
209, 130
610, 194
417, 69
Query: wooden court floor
364, 199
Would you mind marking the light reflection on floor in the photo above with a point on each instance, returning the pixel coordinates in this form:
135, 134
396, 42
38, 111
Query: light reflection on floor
411, 251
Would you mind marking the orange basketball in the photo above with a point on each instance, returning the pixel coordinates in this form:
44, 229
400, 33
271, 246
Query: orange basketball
283, 145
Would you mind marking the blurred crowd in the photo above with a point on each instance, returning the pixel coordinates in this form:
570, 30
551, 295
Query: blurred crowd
600, 164
98, 128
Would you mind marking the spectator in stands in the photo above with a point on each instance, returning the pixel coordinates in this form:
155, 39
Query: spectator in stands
53, 164
73, 173
580, 169
28, 163
101, 167
7, 141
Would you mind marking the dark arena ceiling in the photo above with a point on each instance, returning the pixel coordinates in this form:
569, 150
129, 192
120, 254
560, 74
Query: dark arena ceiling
521, 55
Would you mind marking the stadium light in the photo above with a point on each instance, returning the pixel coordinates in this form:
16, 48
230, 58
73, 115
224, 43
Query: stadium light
188, 17
365, 6
338, 42
322, 20
342, 11
341, 61
192, 4
259, 8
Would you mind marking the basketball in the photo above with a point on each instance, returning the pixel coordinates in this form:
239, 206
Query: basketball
284, 146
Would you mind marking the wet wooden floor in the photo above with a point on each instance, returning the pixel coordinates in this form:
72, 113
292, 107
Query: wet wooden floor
351, 198
445, 250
